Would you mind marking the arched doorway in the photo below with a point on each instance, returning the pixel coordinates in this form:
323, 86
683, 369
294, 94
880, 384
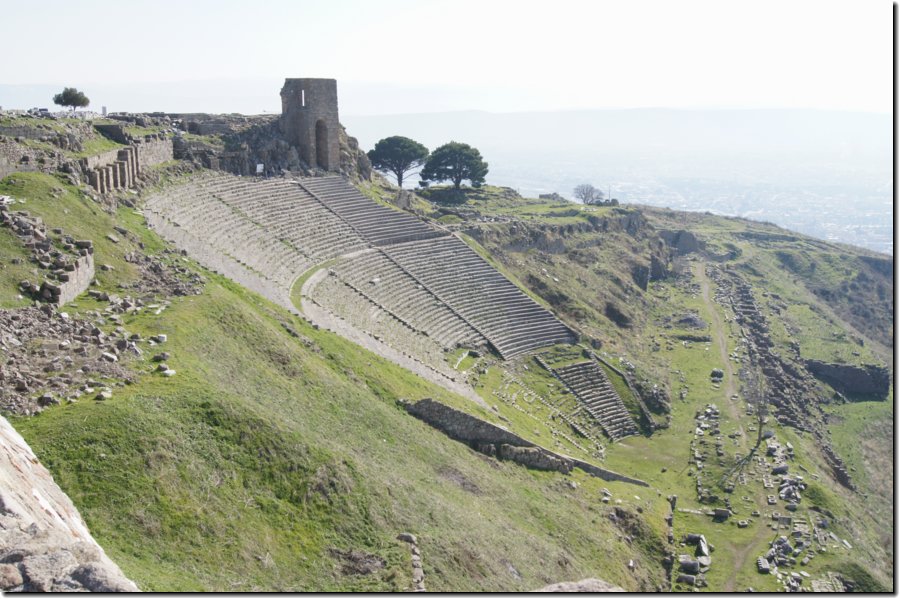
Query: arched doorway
322, 144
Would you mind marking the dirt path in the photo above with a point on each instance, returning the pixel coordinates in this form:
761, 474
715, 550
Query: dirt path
729, 387
742, 554
326, 320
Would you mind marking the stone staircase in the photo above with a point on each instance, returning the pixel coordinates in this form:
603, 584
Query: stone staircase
588, 382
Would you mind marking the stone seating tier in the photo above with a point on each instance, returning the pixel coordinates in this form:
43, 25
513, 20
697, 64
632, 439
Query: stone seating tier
507, 317
379, 224
390, 286
592, 387
276, 229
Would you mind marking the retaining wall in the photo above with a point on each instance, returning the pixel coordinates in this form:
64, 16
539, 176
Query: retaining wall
867, 378
494, 440
79, 279
118, 169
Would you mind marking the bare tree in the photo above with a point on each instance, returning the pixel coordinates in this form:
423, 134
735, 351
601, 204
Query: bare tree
588, 194
755, 394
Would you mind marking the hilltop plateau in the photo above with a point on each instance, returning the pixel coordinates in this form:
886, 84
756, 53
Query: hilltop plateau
309, 380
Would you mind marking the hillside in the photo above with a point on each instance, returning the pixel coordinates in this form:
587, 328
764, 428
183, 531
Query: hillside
652, 289
236, 443
277, 455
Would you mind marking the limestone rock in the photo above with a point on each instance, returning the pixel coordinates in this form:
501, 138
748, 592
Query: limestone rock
588, 585
10, 577
99, 577
44, 544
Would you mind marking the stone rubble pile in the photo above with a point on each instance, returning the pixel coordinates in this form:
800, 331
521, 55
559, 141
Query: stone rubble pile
793, 394
418, 573
693, 568
706, 426
61, 257
161, 276
50, 357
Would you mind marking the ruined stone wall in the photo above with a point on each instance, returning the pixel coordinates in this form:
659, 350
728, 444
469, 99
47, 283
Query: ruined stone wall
114, 132
79, 279
44, 543
309, 121
493, 440
605, 474
684, 242
101, 159
852, 379
463, 427
15, 157
154, 152
118, 169
209, 128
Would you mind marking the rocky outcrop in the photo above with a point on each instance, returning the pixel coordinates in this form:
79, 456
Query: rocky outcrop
243, 142
683, 242
355, 164
588, 585
45, 546
865, 379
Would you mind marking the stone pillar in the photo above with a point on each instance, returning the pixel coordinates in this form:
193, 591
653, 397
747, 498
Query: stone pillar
138, 159
132, 162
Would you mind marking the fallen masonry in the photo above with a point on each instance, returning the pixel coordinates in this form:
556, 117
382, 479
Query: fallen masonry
68, 264
793, 392
51, 353
418, 572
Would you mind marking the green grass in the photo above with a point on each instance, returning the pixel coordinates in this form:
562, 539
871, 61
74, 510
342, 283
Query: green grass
136, 131
96, 145
266, 451
11, 274
262, 446
78, 216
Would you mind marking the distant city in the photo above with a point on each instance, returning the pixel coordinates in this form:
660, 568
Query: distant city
828, 174
860, 217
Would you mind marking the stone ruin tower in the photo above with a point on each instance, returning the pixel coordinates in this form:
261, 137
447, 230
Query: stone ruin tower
309, 120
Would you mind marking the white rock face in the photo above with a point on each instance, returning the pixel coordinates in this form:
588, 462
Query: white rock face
44, 543
588, 585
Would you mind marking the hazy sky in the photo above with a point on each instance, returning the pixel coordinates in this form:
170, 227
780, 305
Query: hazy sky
432, 55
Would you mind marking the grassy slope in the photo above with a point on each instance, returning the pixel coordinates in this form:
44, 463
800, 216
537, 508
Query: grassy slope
595, 272
265, 451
